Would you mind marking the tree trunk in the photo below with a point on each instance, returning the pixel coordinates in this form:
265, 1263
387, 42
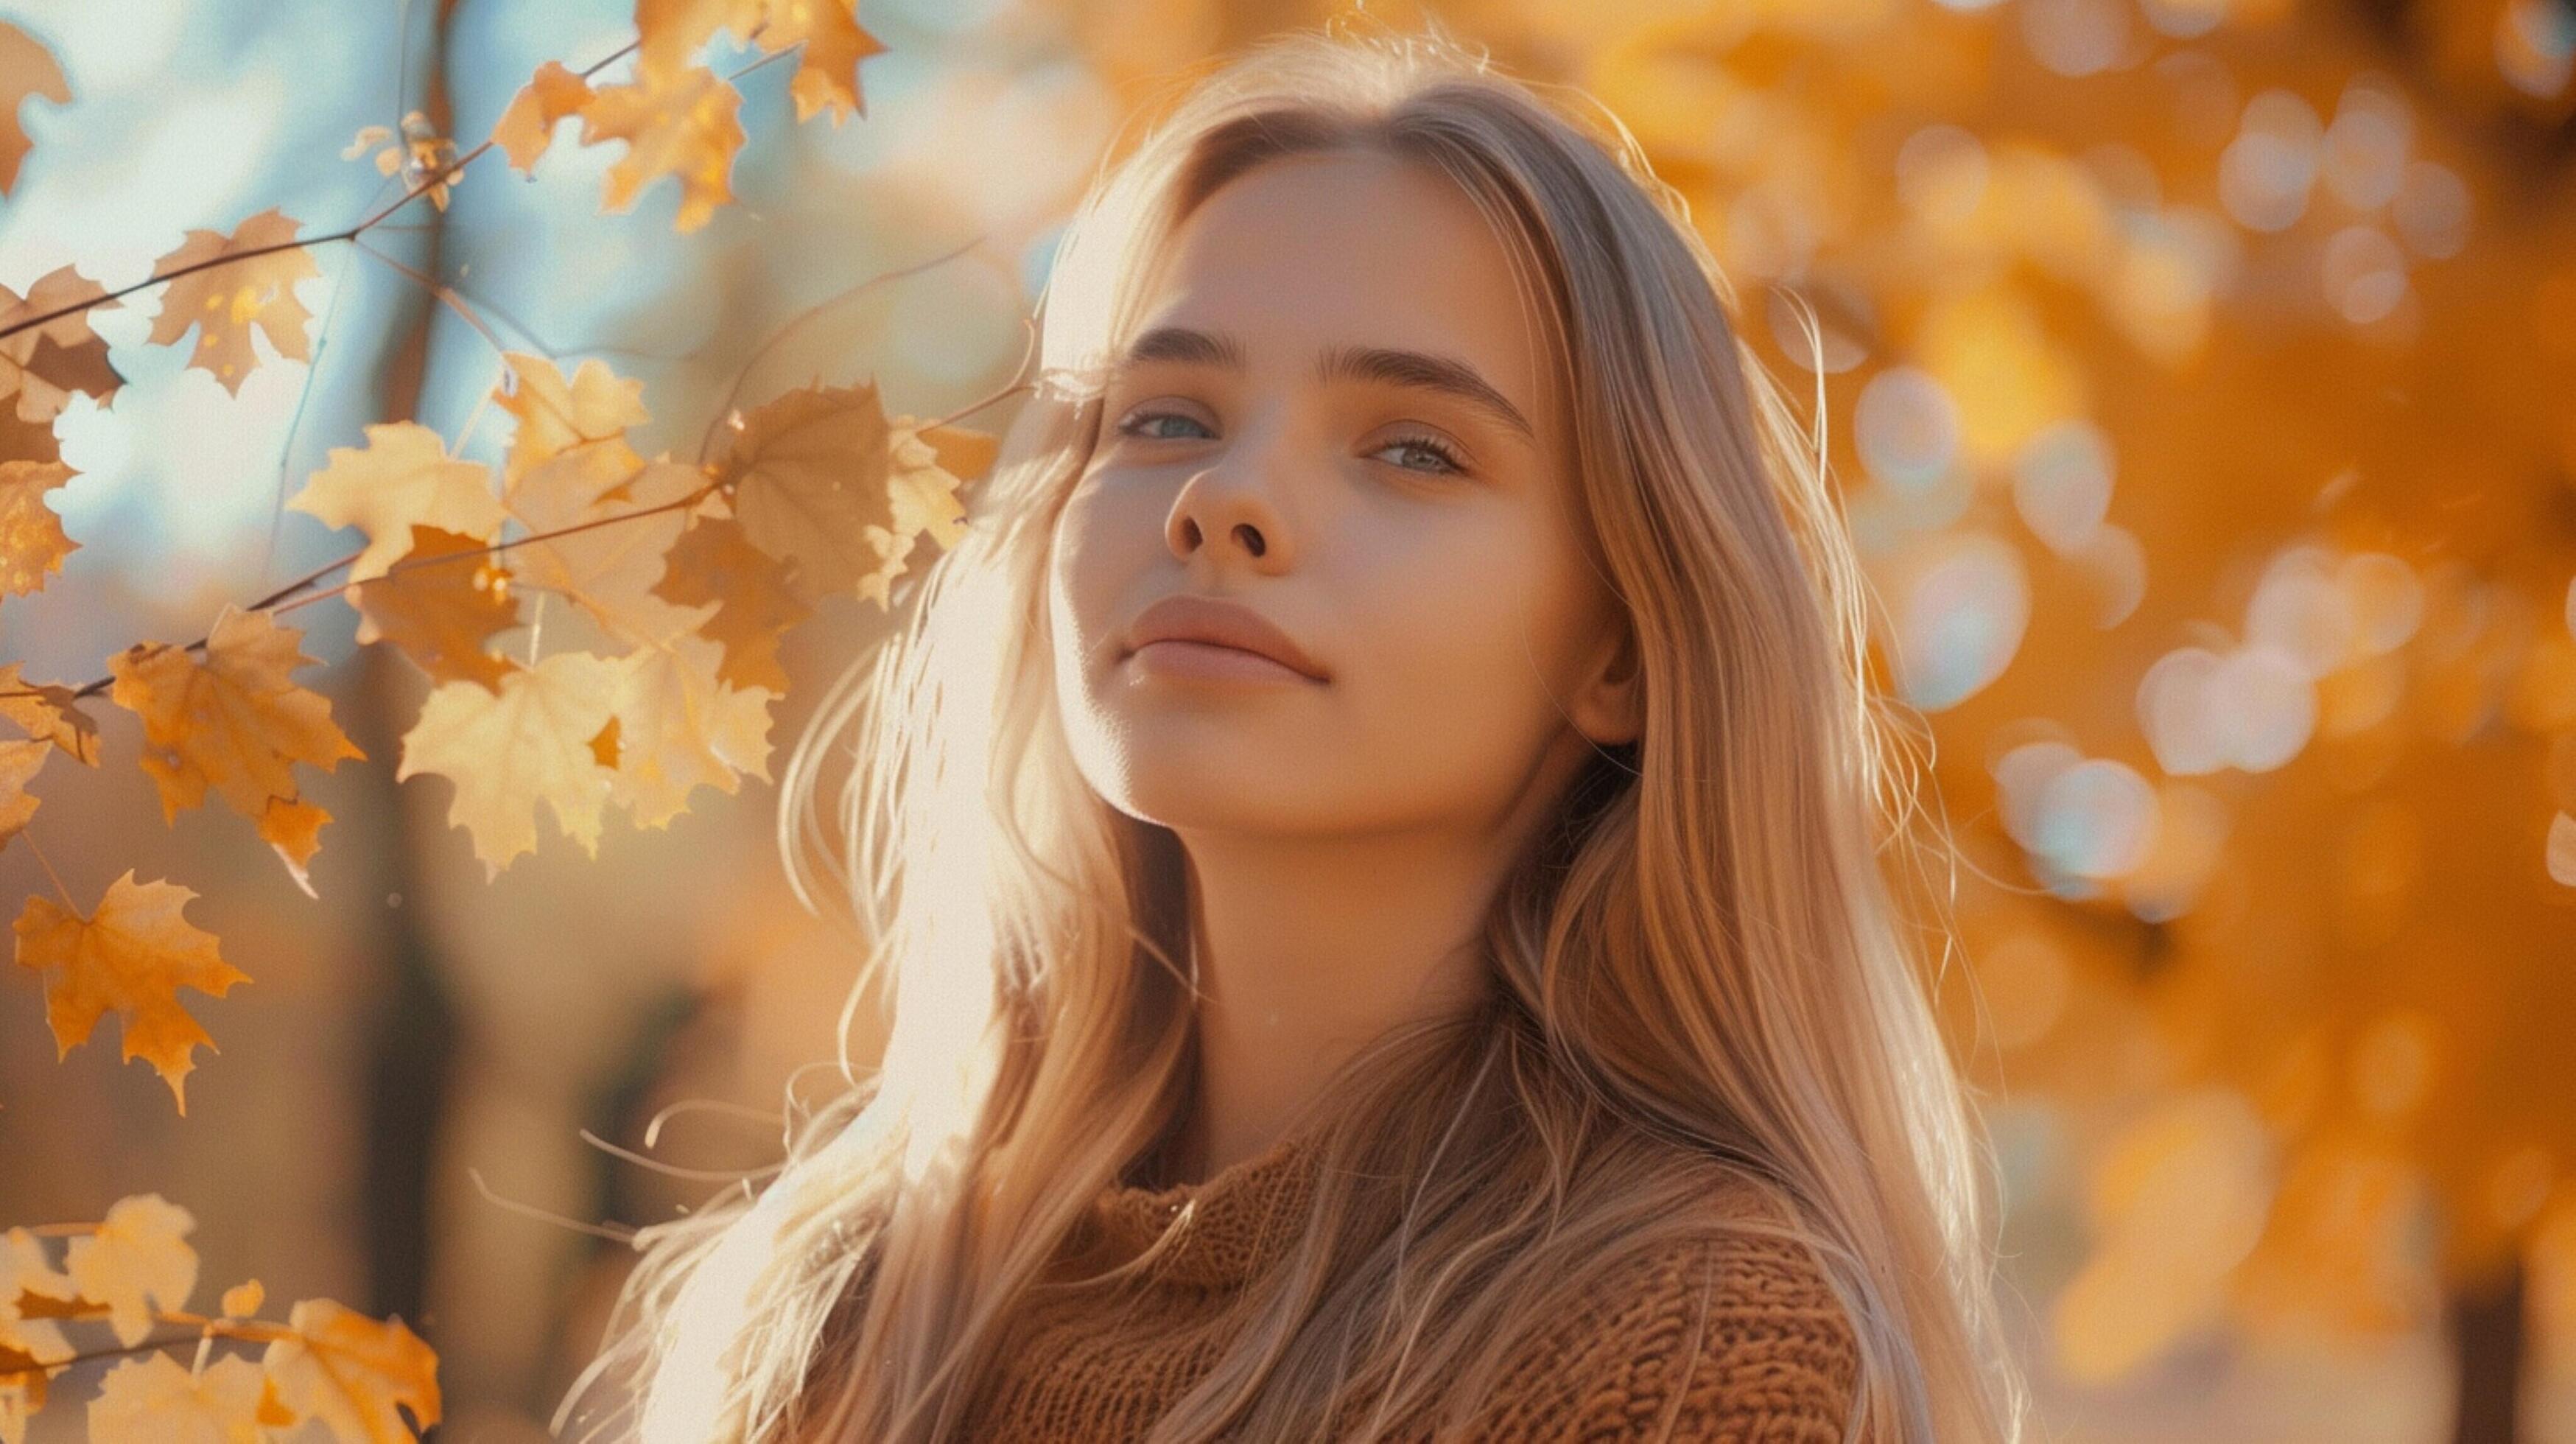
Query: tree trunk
413, 1030
2487, 1337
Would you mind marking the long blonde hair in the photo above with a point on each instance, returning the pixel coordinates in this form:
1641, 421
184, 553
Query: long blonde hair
1702, 972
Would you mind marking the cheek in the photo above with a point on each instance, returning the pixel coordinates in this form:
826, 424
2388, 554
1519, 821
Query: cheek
1457, 642
1103, 537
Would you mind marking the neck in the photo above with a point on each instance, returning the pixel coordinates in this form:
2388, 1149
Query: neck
1308, 950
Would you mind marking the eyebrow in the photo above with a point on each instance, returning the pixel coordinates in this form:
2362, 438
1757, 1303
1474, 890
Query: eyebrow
1393, 366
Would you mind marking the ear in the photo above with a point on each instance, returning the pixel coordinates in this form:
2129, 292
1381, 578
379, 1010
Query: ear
1608, 707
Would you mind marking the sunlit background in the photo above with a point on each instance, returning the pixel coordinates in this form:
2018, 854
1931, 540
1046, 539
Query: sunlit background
2201, 379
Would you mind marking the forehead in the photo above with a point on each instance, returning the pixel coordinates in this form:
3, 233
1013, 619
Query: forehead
1351, 248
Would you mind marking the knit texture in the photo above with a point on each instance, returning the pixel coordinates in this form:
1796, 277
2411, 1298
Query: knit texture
1738, 1339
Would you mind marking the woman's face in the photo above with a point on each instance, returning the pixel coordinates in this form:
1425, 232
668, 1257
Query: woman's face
1336, 414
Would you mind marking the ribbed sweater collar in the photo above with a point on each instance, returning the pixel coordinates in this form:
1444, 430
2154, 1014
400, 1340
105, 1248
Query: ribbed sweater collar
1230, 1228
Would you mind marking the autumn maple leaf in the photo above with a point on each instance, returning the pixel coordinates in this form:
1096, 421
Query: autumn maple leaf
672, 31
18, 764
47, 711
133, 955
403, 476
155, 1397
351, 1372
224, 302
807, 476
26, 68
527, 124
45, 363
234, 721
679, 725
30, 1348
508, 749
32, 542
440, 614
138, 1257
611, 566
587, 416
714, 563
684, 126
927, 465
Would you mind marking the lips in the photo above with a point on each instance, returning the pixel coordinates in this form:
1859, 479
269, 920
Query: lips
1184, 617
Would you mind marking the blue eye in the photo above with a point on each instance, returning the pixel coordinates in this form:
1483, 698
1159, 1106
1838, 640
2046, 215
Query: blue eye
1137, 422
1133, 425
1447, 457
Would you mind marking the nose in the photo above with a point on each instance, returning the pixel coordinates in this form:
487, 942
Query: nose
1235, 502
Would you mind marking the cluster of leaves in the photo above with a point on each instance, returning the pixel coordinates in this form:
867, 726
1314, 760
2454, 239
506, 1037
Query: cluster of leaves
687, 574
133, 1270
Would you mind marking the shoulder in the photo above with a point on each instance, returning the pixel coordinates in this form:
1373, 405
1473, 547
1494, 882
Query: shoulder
1732, 1335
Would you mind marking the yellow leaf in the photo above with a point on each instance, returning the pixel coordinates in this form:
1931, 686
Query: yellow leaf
233, 721
610, 569
32, 542
155, 1398
18, 764
26, 68
133, 955
589, 416
28, 1343
927, 466
350, 1371
225, 301
134, 1260
679, 726
402, 477
508, 750
681, 125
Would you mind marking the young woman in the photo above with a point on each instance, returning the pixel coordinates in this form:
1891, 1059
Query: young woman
1373, 836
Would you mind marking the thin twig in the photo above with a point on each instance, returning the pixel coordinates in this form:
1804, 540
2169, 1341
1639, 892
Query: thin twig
274, 604
351, 233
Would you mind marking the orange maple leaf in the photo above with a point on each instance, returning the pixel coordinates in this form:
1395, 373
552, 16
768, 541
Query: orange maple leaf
713, 562
45, 363
440, 614
672, 31
350, 1372
402, 476
234, 721
47, 710
683, 125
225, 302
26, 68
133, 955
527, 125
807, 473
32, 542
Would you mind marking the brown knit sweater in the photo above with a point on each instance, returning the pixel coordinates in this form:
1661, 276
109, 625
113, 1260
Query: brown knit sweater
1739, 1340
